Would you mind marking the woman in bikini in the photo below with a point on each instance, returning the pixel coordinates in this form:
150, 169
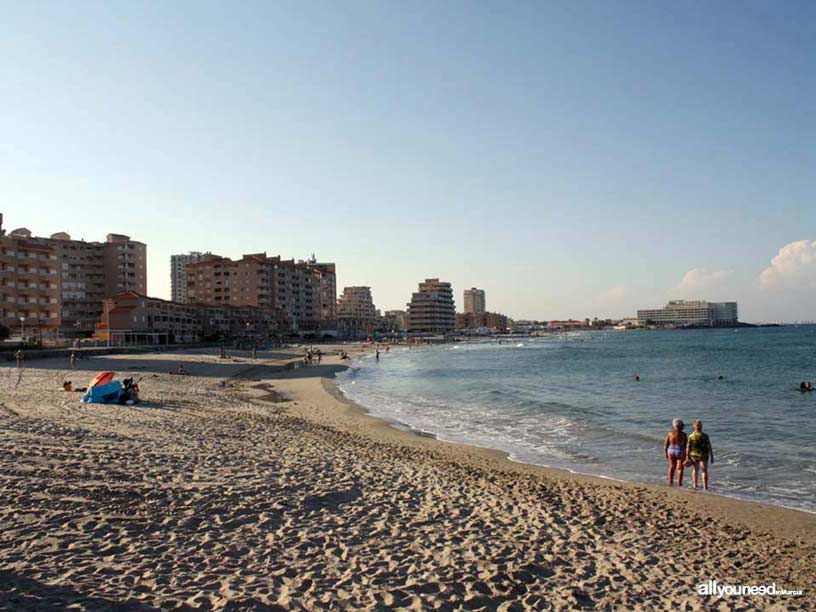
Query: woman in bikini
674, 448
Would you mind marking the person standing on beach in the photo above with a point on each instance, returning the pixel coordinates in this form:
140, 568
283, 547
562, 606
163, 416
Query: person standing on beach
20, 359
378, 354
699, 451
73, 360
674, 447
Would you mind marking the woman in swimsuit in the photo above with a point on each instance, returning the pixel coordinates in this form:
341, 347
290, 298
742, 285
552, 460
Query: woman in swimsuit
674, 448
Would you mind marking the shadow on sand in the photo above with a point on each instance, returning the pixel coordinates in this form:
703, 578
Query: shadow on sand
18, 592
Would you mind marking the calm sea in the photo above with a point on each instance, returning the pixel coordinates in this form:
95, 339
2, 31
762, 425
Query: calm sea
572, 401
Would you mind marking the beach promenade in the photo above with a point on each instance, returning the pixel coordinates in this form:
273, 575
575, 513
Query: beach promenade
248, 485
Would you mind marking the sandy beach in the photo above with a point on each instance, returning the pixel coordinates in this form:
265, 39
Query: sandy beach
248, 485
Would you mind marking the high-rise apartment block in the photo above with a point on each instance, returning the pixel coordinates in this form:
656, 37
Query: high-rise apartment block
258, 280
356, 314
29, 285
356, 303
328, 288
432, 309
475, 301
178, 274
56, 285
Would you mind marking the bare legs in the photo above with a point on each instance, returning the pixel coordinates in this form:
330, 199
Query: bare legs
701, 465
676, 464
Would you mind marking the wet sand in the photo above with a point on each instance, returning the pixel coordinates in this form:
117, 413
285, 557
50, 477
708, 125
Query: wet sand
249, 486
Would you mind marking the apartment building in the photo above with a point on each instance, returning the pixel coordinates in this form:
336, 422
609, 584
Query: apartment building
258, 280
487, 321
85, 273
29, 286
328, 288
356, 303
432, 309
178, 274
92, 271
474, 300
356, 314
393, 321
125, 264
691, 312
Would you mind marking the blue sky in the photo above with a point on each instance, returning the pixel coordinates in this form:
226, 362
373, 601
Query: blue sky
572, 158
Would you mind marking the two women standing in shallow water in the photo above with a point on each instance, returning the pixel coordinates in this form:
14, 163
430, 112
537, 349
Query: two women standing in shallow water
688, 451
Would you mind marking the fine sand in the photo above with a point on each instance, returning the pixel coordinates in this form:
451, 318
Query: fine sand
250, 486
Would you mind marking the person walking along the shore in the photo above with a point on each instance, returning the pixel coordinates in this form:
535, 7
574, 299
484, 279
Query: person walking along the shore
700, 452
73, 360
674, 447
20, 359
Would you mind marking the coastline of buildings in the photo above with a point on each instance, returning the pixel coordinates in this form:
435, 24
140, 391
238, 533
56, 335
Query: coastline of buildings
57, 287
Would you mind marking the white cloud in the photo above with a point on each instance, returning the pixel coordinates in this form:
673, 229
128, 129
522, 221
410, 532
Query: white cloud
612, 302
701, 279
793, 266
616, 293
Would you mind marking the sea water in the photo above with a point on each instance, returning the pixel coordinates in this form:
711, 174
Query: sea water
572, 401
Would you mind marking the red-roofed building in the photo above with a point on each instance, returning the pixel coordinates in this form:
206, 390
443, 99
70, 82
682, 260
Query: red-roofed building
132, 318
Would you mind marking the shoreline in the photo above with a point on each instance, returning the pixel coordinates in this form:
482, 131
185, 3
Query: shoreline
407, 428
791, 523
510, 458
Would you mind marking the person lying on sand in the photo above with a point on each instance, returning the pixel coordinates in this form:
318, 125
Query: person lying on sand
674, 447
699, 451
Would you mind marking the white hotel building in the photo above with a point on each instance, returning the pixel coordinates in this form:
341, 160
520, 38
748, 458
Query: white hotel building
697, 312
